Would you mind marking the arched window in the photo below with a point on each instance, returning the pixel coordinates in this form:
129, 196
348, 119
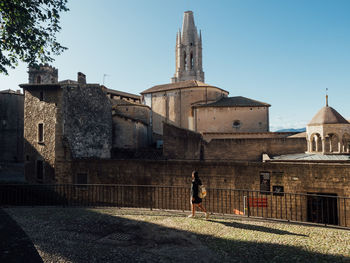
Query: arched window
191, 65
316, 143
38, 79
346, 142
185, 60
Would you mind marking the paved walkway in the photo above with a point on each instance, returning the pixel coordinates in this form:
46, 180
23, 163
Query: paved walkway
15, 245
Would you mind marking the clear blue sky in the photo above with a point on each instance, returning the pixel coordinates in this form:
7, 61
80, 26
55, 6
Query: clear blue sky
285, 53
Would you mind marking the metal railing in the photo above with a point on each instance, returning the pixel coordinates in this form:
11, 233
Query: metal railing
323, 209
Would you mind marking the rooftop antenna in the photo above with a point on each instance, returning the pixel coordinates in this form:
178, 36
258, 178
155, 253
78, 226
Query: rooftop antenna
104, 77
326, 97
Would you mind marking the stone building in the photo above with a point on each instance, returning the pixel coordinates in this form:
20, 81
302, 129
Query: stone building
173, 103
63, 120
11, 126
328, 132
188, 52
190, 103
232, 115
131, 128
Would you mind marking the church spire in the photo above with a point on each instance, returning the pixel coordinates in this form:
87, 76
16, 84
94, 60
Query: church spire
188, 51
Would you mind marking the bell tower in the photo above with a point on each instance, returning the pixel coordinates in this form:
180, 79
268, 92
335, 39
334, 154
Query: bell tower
188, 52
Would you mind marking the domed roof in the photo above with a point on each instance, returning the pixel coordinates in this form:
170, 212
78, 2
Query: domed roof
328, 115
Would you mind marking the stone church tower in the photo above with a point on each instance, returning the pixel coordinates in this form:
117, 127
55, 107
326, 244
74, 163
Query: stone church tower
188, 52
44, 74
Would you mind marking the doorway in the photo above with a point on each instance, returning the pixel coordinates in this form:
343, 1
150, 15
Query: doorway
322, 208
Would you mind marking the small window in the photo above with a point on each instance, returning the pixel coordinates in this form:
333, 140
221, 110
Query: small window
41, 96
40, 132
27, 158
191, 61
278, 190
38, 79
39, 170
264, 182
236, 124
81, 179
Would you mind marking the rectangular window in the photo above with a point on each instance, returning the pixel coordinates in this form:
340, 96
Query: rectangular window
39, 170
81, 179
40, 132
264, 182
278, 190
41, 96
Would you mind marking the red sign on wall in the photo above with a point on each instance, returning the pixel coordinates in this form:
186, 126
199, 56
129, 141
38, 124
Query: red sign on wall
257, 201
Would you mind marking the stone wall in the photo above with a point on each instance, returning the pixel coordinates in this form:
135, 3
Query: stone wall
252, 149
41, 111
183, 144
175, 106
11, 127
298, 178
134, 111
208, 136
87, 122
77, 123
129, 133
221, 119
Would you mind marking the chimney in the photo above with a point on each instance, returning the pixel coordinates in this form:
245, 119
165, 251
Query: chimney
81, 78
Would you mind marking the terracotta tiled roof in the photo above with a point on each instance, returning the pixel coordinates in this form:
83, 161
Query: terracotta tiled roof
328, 115
235, 102
119, 102
122, 93
298, 135
178, 85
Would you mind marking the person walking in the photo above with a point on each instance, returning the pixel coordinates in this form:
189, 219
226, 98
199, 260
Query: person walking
195, 199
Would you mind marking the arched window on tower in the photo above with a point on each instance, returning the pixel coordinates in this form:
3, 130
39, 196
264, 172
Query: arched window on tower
38, 79
191, 62
185, 60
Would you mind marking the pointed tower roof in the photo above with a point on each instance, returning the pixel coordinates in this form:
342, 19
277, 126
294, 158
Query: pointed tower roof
189, 29
188, 51
327, 115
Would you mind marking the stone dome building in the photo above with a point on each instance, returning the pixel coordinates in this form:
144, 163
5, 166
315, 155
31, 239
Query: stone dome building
328, 132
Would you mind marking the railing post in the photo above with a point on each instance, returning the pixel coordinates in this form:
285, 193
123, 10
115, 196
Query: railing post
151, 198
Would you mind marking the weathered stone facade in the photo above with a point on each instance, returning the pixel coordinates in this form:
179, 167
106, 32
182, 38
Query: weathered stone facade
232, 119
11, 126
44, 112
44, 74
172, 103
184, 144
87, 122
64, 121
129, 133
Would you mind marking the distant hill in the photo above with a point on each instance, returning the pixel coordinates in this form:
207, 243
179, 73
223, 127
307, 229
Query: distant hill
292, 130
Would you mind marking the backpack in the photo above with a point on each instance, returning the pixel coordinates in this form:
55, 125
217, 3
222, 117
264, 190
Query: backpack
202, 192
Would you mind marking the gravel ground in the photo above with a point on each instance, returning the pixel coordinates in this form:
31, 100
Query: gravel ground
137, 235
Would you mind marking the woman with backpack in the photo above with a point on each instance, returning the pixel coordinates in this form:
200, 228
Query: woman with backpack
195, 192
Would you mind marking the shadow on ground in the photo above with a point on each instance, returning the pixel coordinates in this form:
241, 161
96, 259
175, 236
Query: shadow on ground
15, 245
83, 235
257, 228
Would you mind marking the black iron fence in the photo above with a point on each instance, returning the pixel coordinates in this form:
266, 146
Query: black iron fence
326, 209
